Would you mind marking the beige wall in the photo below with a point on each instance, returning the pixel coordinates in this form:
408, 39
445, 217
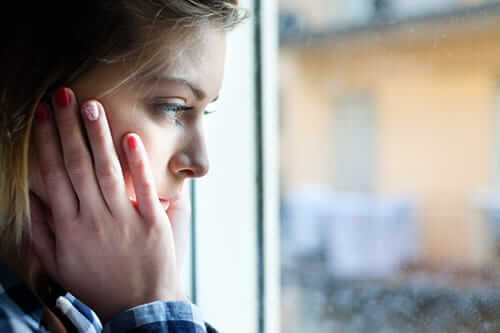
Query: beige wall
434, 100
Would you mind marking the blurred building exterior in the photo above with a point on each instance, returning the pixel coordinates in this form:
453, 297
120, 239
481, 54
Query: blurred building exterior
321, 14
397, 99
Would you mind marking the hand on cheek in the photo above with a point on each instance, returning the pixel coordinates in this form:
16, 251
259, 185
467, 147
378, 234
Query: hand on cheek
178, 212
97, 245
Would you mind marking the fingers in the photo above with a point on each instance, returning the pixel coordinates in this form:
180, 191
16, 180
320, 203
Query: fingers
138, 163
77, 158
106, 163
64, 204
76, 178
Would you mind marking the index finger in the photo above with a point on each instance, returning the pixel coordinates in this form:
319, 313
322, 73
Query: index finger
142, 177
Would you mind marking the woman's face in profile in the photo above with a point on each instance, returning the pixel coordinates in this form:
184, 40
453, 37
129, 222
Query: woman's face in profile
165, 110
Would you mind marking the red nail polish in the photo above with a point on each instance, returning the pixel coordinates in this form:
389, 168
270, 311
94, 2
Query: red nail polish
41, 112
132, 143
63, 98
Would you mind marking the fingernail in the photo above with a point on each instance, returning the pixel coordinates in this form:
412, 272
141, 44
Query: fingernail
41, 112
62, 97
91, 111
132, 142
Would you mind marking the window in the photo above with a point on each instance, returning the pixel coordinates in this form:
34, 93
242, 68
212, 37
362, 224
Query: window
354, 132
234, 274
390, 168
387, 167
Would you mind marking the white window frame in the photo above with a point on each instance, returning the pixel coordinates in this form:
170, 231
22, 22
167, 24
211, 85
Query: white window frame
235, 264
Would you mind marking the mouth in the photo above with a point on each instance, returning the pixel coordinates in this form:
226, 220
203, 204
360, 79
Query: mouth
165, 203
166, 199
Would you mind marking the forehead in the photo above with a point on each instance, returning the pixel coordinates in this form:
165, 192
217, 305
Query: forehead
200, 61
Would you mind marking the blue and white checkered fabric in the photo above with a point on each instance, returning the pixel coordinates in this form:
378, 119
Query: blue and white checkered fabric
82, 318
21, 311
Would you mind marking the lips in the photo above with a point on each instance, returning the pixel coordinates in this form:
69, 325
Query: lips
165, 203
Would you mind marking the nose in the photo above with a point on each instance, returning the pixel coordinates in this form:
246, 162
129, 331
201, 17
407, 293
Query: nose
191, 161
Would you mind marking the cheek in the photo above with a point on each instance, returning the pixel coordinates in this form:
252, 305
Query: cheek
158, 149
158, 140
158, 152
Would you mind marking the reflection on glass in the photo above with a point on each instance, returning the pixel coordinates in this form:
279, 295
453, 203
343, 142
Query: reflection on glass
390, 165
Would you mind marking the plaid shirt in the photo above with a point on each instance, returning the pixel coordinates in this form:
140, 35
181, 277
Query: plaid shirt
21, 311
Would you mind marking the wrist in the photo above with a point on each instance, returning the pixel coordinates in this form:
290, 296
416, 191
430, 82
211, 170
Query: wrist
169, 297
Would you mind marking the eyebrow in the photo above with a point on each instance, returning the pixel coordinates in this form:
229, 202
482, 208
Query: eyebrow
197, 92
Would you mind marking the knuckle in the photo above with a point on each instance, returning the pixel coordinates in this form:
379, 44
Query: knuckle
146, 188
139, 166
76, 167
95, 227
66, 122
49, 166
53, 177
152, 217
78, 177
109, 177
108, 171
75, 162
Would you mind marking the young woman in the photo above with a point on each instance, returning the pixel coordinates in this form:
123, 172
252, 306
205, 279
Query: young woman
100, 127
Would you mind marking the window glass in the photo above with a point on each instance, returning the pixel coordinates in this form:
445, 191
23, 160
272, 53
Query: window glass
390, 165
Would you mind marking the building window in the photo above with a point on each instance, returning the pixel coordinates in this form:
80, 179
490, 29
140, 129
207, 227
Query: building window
354, 152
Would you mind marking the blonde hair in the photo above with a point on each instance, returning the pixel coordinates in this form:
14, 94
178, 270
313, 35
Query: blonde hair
45, 51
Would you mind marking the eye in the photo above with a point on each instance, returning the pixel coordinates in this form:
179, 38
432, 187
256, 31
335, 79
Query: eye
171, 111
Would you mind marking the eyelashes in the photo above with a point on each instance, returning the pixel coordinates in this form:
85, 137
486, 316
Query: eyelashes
172, 111
175, 112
